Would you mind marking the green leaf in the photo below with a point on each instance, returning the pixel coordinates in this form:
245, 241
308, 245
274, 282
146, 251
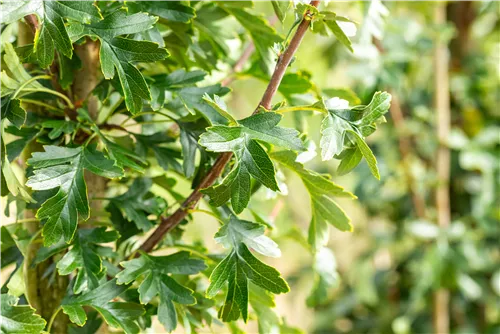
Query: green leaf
15, 187
137, 206
220, 106
167, 10
158, 282
19, 318
280, 8
263, 35
12, 110
327, 277
361, 120
62, 167
249, 233
119, 53
116, 314
59, 127
251, 158
339, 33
324, 208
367, 153
238, 268
122, 156
52, 35
84, 257
349, 161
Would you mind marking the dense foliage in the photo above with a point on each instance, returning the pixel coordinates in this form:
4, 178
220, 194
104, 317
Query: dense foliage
105, 108
130, 129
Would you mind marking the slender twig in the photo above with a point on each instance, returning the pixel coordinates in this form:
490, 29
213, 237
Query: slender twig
442, 106
178, 216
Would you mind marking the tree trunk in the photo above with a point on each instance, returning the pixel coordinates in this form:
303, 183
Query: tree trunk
85, 81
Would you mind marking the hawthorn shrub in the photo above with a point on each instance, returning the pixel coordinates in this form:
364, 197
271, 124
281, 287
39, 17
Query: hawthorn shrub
106, 106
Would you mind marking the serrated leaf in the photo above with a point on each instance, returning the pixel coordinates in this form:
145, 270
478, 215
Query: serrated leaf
62, 167
52, 35
19, 318
251, 158
238, 268
84, 257
362, 120
324, 208
59, 127
116, 314
249, 233
158, 282
119, 53
136, 207
122, 156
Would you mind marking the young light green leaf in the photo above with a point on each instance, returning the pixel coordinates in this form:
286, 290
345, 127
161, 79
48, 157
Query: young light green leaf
19, 319
62, 167
280, 8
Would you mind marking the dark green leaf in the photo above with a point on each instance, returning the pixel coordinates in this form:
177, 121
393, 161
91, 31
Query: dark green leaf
158, 282
62, 167
52, 35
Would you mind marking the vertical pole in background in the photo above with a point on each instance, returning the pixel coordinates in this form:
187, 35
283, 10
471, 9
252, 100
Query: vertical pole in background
442, 108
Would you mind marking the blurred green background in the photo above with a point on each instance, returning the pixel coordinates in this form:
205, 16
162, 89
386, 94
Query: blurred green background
388, 269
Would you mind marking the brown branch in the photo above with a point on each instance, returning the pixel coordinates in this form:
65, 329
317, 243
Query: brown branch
173, 220
32, 21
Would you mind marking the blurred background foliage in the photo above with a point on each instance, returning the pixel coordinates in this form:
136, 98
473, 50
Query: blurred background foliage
387, 270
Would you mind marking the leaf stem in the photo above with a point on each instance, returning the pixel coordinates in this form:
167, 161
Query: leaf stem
170, 222
52, 318
42, 104
299, 108
27, 82
53, 92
